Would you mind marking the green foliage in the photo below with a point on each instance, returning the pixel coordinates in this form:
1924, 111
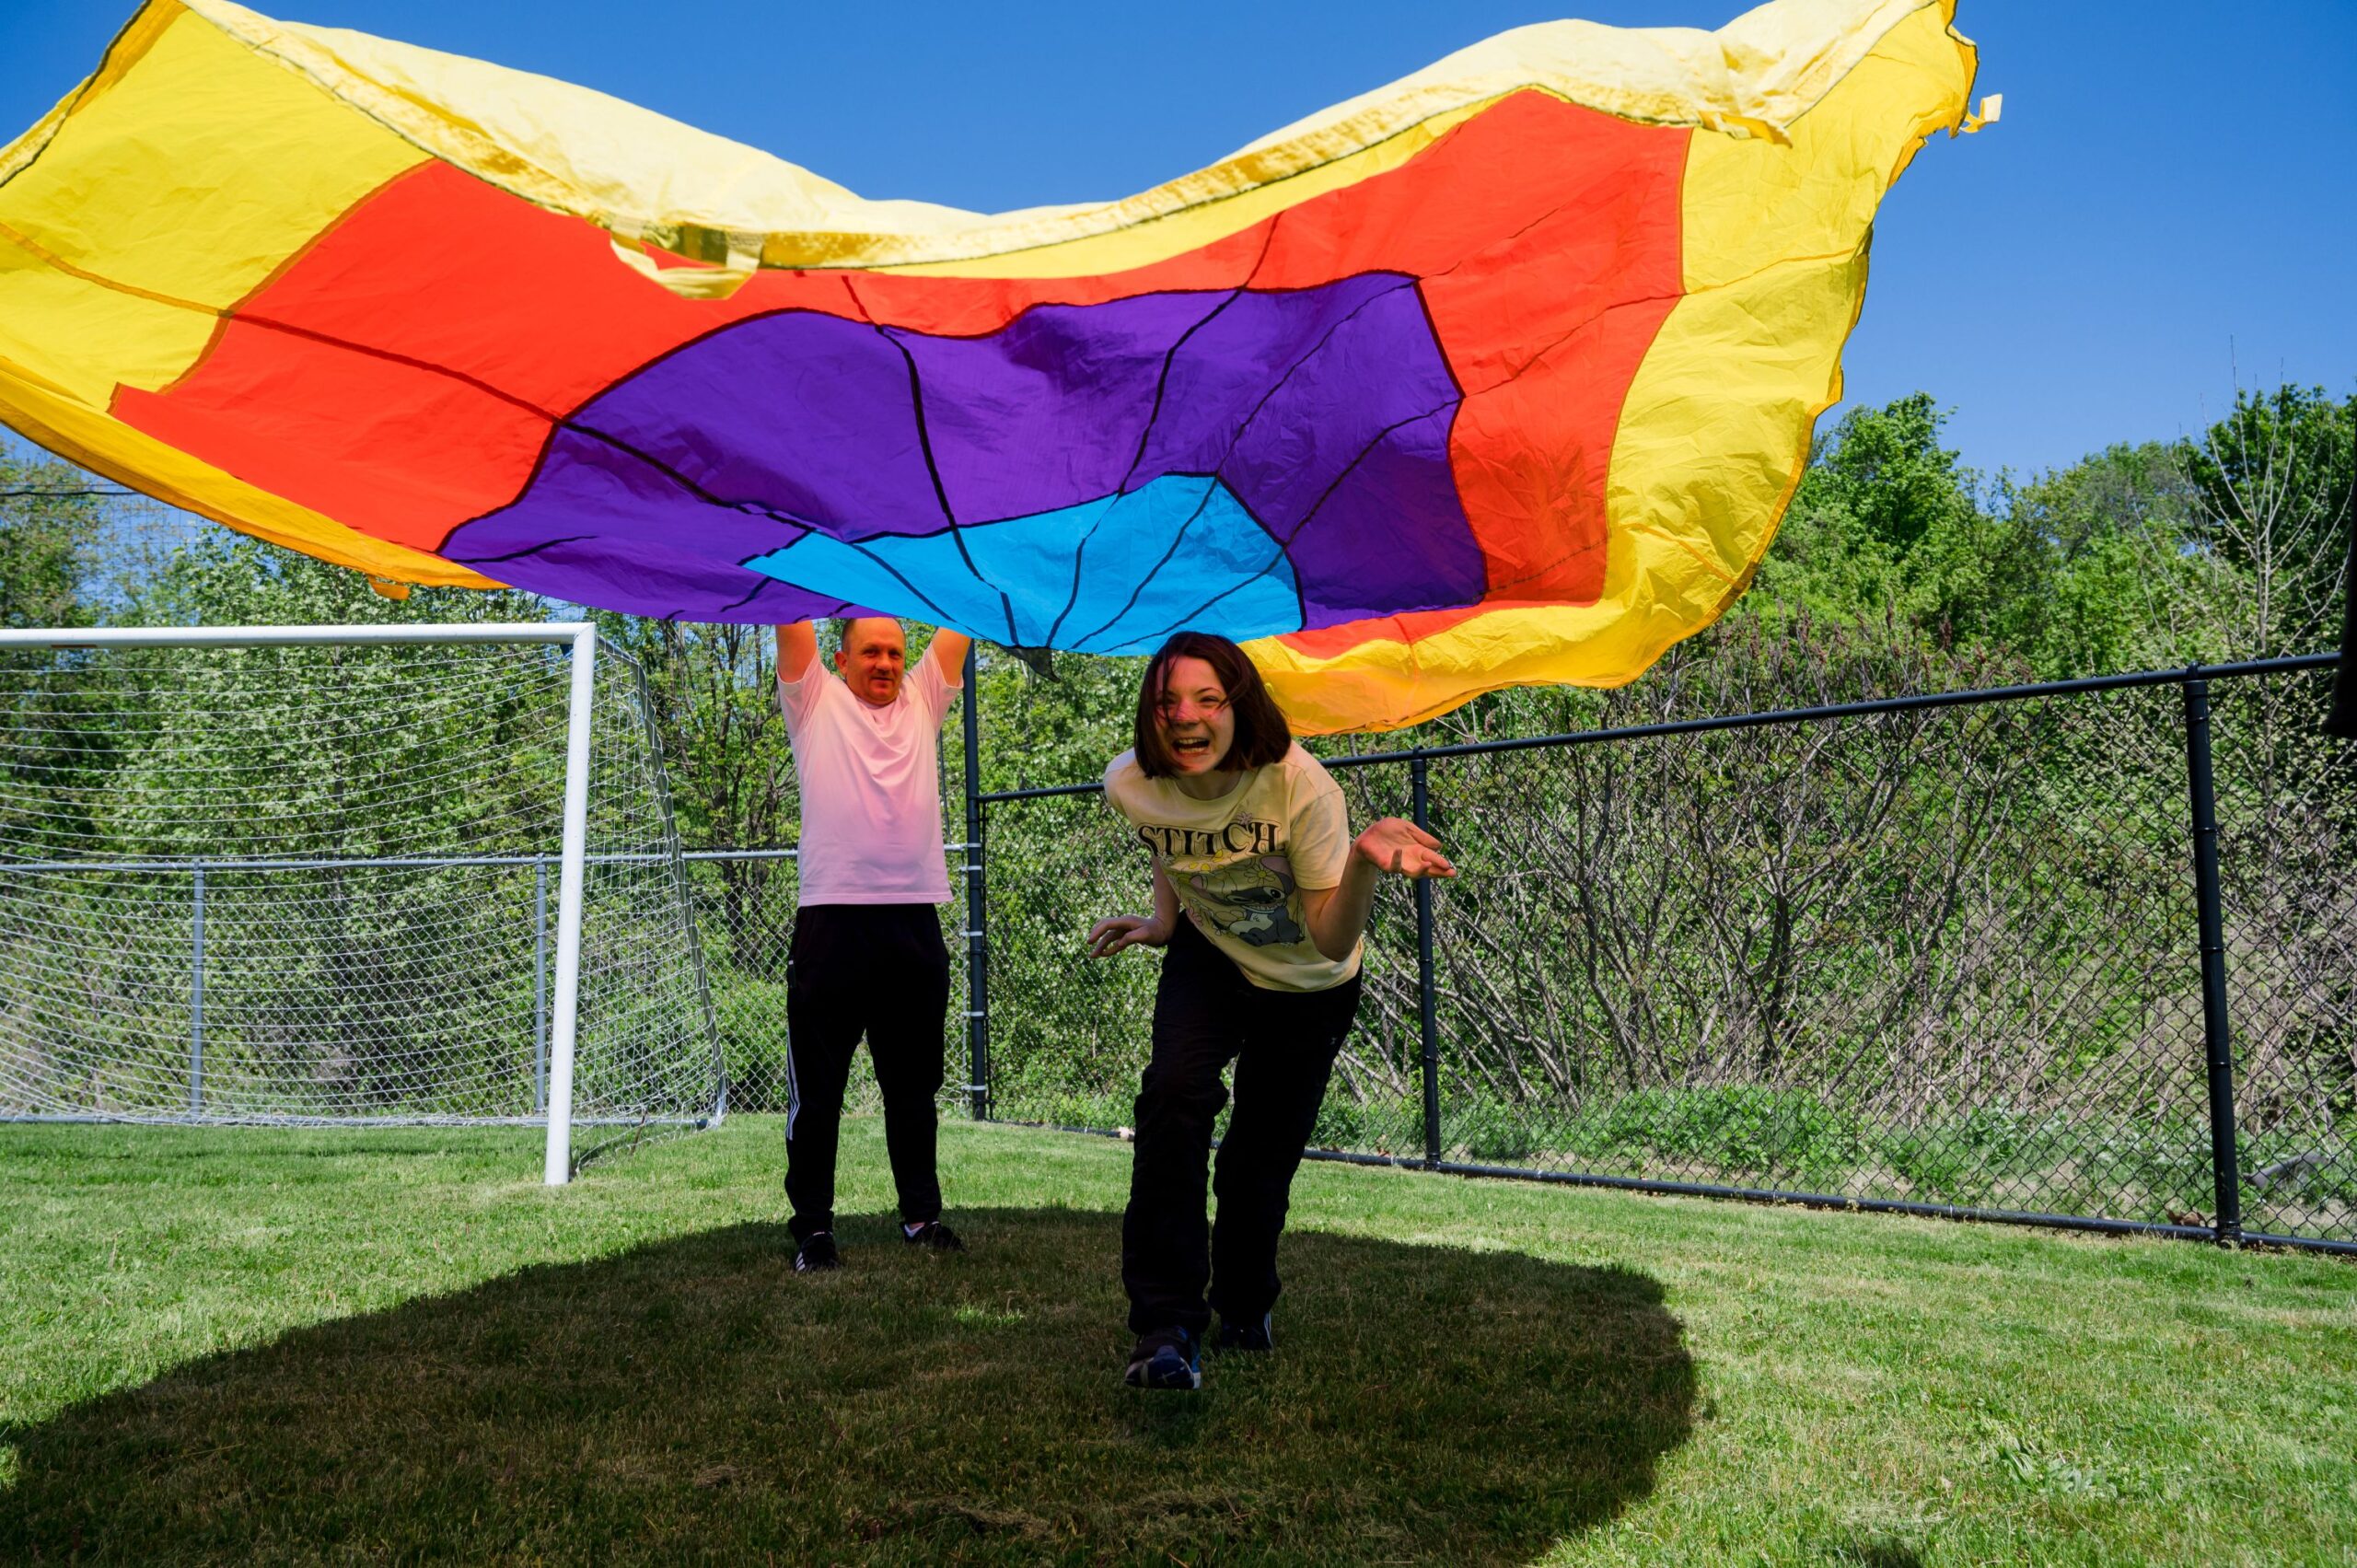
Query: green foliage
1886, 469
48, 541
716, 705
1038, 731
2277, 482
220, 578
2228, 545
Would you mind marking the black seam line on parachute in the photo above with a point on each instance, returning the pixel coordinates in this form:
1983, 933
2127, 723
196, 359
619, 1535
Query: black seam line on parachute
1496, 586
932, 466
753, 593
1310, 515
1452, 408
1457, 386
528, 550
743, 508
558, 421
941, 487
1146, 437
1456, 406
372, 352
937, 532
575, 424
1431, 328
1448, 441
1276, 554
1246, 423
1153, 416
572, 421
1234, 441
738, 602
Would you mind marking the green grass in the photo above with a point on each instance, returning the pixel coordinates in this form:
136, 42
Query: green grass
396, 1347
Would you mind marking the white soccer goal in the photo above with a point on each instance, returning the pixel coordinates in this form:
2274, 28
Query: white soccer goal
344, 875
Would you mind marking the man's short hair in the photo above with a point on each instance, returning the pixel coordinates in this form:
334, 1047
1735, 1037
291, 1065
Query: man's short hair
843, 625
1262, 736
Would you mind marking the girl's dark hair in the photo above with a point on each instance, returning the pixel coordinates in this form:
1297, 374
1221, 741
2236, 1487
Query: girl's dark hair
1262, 737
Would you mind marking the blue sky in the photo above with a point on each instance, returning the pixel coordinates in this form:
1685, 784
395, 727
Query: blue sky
2166, 207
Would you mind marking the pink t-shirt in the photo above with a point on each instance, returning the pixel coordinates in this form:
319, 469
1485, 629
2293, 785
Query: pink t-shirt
871, 788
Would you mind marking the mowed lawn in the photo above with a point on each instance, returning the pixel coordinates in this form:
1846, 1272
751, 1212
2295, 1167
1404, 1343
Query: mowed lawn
237, 1346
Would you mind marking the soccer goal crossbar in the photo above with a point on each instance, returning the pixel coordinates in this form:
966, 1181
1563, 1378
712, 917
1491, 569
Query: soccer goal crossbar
347, 810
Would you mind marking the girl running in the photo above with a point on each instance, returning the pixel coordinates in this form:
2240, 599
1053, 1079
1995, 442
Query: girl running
1260, 899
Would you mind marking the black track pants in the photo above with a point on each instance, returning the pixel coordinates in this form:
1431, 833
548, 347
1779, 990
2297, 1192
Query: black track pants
1283, 1043
881, 971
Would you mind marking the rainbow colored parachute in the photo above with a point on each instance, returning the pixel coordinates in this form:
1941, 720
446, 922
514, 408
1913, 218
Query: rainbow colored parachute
1500, 375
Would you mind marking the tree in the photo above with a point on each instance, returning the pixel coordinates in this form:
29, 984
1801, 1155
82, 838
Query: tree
1888, 525
2117, 527
50, 529
1887, 470
220, 578
2276, 480
712, 692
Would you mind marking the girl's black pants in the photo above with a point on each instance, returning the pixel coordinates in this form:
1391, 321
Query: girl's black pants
1283, 1043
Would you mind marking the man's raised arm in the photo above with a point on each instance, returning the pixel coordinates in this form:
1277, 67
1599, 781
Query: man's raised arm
949, 647
798, 650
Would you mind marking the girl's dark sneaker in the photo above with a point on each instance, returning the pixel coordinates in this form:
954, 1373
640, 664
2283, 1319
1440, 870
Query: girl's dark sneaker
1262, 1335
1166, 1358
933, 1236
816, 1254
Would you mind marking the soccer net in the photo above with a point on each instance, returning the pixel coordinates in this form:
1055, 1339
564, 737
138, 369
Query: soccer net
324, 877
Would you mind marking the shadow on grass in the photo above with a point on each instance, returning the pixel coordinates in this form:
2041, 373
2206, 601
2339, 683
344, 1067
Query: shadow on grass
695, 1400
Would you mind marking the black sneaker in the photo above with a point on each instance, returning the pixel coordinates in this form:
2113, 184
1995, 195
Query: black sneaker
816, 1254
1231, 1335
933, 1236
1166, 1358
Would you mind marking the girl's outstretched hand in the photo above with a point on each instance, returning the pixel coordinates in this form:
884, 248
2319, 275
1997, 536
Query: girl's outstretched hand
1107, 937
1397, 845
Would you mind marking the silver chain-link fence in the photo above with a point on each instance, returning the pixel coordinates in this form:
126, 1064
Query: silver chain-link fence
318, 884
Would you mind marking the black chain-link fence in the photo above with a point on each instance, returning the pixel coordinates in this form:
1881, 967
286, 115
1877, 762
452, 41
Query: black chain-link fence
2081, 953
1943, 952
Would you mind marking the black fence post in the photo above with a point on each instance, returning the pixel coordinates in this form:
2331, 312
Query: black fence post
2225, 1157
978, 990
1425, 997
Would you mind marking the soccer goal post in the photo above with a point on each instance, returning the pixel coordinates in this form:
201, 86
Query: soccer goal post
345, 875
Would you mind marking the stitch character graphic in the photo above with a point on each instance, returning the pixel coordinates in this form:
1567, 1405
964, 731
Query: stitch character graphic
1248, 900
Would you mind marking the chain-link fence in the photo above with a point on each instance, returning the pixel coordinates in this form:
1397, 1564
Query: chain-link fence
745, 905
1944, 952
315, 882
2084, 954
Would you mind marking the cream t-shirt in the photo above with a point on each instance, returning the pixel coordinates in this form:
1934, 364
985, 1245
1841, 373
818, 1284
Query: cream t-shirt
1239, 863
871, 788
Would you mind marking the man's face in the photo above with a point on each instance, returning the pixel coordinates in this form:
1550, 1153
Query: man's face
872, 660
